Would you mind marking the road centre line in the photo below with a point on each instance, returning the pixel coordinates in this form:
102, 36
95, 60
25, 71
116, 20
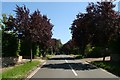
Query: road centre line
71, 68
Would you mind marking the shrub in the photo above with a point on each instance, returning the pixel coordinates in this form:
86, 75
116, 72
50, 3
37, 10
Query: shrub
115, 46
9, 44
96, 52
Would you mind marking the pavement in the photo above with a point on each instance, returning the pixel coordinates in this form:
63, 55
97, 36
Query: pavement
67, 67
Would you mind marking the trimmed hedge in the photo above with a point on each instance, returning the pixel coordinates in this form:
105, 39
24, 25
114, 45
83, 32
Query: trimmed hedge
9, 44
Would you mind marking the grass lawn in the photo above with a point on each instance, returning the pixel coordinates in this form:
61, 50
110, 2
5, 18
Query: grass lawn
0, 75
20, 71
107, 65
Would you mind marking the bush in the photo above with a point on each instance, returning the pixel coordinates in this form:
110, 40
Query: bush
96, 52
115, 46
9, 44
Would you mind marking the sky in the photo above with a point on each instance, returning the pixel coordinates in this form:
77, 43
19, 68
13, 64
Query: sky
61, 14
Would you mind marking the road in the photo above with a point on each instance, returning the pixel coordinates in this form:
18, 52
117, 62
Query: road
66, 66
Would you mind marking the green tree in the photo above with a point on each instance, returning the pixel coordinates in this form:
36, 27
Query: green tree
9, 39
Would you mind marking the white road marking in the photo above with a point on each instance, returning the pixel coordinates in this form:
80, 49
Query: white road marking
44, 63
71, 68
33, 73
66, 61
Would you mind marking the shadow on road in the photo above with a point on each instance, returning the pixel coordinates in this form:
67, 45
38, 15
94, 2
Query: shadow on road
75, 66
63, 58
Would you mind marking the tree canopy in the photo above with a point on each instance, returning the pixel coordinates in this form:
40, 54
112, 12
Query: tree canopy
33, 28
98, 26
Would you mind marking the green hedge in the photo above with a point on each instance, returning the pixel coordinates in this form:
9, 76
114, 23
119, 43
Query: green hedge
9, 44
97, 52
115, 46
12, 47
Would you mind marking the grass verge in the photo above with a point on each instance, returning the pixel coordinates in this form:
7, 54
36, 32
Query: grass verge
79, 57
20, 71
48, 56
109, 66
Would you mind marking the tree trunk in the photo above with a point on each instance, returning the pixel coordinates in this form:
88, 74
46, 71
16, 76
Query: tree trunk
43, 54
19, 46
39, 51
82, 50
31, 51
39, 54
31, 55
103, 58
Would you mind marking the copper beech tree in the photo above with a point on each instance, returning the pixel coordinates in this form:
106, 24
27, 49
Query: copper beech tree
55, 45
98, 26
42, 30
35, 28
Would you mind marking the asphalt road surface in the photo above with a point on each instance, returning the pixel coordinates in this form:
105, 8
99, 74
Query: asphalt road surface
66, 66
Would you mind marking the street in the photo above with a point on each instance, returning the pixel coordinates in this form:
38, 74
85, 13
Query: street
66, 66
